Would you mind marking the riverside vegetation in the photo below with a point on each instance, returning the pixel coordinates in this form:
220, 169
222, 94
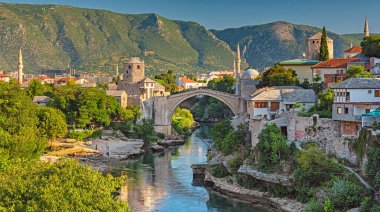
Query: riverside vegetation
25, 128
318, 179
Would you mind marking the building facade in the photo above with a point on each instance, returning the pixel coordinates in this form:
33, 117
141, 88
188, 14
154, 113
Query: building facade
353, 98
187, 83
301, 66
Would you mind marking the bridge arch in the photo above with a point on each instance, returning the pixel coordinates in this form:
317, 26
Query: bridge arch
164, 107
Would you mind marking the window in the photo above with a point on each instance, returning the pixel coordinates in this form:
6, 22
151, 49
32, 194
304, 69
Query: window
339, 110
377, 93
347, 96
367, 110
346, 110
369, 91
129, 66
261, 104
138, 66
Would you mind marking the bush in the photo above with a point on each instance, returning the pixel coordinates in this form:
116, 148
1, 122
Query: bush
373, 164
219, 172
83, 135
328, 206
235, 163
345, 194
246, 181
314, 206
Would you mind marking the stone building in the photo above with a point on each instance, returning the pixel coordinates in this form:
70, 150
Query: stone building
313, 45
120, 95
139, 87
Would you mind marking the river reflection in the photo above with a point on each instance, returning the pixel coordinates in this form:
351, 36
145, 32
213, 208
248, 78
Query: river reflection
164, 182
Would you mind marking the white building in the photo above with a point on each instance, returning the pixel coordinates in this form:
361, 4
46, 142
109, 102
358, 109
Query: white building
353, 98
189, 84
375, 66
352, 52
271, 101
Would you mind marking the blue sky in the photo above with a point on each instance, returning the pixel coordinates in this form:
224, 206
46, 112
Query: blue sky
340, 16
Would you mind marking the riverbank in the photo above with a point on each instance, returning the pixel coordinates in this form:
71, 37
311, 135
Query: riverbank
228, 186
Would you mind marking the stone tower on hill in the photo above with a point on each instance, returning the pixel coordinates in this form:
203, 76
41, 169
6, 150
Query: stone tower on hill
20, 67
366, 28
314, 43
134, 69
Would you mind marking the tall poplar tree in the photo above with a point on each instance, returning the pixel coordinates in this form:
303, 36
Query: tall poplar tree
324, 51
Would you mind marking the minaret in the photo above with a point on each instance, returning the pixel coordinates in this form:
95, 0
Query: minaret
117, 70
20, 67
366, 30
237, 71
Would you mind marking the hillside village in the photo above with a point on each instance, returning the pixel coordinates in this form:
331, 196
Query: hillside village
333, 103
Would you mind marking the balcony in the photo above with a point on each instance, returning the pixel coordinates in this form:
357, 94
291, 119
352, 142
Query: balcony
358, 117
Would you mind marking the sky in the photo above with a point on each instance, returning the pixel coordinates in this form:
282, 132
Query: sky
339, 16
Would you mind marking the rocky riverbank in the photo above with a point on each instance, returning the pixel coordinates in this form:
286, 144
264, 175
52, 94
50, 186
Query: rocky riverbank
229, 187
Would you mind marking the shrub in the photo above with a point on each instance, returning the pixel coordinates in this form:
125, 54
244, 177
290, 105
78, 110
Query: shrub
314, 206
328, 206
246, 181
219, 172
83, 135
345, 194
235, 163
373, 164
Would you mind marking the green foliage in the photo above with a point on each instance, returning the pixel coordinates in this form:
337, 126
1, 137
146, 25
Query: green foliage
191, 76
372, 166
36, 88
135, 111
228, 140
314, 168
371, 46
145, 132
271, 148
19, 132
325, 100
52, 122
167, 80
278, 76
357, 71
102, 85
83, 135
235, 163
324, 50
344, 194
224, 84
328, 206
314, 206
245, 181
219, 172
65, 186
85, 107
210, 109
182, 121
314, 110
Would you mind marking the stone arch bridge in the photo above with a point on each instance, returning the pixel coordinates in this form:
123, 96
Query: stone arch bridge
160, 109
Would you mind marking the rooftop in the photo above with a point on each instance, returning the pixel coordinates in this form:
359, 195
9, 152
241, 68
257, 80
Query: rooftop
42, 99
299, 62
336, 63
186, 80
354, 49
285, 93
358, 83
115, 92
317, 36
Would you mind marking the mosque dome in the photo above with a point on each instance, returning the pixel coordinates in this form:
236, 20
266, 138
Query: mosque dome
250, 74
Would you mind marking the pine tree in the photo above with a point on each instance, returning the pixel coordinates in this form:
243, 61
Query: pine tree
324, 51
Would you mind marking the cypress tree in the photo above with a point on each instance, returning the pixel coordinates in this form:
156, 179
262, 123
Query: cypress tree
323, 50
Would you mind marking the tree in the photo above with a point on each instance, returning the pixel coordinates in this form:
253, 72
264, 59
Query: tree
167, 80
272, 147
136, 112
36, 88
192, 77
224, 84
357, 71
182, 121
219, 131
52, 122
325, 100
323, 50
19, 135
102, 85
278, 76
64, 186
371, 46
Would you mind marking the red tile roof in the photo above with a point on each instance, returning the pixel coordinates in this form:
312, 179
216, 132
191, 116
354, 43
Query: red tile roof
4, 75
186, 80
354, 49
180, 88
336, 63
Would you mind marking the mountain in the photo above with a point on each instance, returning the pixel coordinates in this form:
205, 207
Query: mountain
264, 45
58, 37
62, 36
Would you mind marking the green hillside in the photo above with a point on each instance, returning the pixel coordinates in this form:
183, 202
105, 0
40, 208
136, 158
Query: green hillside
87, 39
58, 37
264, 45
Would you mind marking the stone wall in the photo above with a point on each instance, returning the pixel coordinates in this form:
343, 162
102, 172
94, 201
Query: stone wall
325, 132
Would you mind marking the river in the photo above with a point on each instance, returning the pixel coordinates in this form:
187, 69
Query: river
164, 182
